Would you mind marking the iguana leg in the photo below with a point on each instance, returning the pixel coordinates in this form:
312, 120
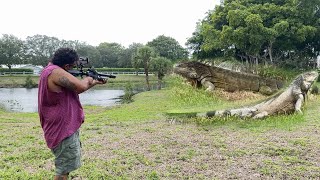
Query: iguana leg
261, 115
207, 84
242, 112
298, 104
248, 112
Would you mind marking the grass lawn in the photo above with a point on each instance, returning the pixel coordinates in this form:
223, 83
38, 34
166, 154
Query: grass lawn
138, 141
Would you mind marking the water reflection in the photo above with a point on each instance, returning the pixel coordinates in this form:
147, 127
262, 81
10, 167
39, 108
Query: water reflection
26, 100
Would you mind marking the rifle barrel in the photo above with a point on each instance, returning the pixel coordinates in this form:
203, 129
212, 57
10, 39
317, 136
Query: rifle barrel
86, 73
107, 75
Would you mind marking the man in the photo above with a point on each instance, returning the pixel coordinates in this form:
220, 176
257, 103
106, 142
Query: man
60, 110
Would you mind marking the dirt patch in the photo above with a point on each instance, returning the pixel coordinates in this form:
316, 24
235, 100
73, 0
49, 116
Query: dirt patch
188, 151
169, 149
238, 95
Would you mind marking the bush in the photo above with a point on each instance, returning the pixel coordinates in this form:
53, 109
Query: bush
15, 70
315, 90
128, 93
278, 73
29, 83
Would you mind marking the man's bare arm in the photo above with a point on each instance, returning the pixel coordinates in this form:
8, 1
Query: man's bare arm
63, 81
62, 78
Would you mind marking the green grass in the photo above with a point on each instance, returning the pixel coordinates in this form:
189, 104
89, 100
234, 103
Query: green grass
139, 141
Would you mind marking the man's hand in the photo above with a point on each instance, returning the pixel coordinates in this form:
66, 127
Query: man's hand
102, 81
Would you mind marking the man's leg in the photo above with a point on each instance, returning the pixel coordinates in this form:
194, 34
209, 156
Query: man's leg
67, 156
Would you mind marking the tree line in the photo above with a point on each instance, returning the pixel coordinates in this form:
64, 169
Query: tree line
157, 55
284, 33
38, 49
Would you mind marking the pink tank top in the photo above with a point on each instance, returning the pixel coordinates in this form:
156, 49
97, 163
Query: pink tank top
60, 113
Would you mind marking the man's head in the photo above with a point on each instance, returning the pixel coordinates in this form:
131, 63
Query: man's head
65, 58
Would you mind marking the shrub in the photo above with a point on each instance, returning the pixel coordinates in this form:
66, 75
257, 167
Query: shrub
314, 89
128, 93
278, 73
29, 83
13, 70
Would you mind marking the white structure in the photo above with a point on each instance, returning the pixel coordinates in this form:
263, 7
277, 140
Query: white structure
36, 69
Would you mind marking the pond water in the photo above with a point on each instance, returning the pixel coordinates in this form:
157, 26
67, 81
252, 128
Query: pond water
26, 100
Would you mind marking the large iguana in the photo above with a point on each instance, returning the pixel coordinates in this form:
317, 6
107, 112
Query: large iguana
210, 77
290, 100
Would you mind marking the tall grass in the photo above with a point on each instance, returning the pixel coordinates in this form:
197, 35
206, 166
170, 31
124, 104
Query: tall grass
190, 99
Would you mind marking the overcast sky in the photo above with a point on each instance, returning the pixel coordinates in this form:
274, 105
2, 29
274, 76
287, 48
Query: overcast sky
96, 21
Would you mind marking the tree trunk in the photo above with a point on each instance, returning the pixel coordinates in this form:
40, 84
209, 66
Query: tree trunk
159, 81
270, 53
9, 66
146, 71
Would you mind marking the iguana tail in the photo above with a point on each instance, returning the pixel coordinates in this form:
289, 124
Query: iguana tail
241, 112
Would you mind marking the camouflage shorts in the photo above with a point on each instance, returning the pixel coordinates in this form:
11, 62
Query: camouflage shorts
68, 154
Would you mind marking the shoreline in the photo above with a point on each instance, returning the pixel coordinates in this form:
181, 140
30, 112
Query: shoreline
13, 86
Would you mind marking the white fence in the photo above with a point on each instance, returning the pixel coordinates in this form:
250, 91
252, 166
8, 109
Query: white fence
17, 73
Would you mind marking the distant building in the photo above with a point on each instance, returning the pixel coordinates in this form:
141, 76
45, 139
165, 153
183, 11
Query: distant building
36, 69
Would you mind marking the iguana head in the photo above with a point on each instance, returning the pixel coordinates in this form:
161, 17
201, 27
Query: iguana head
308, 79
186, 69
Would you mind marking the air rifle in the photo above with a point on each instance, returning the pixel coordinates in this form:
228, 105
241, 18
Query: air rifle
89, 72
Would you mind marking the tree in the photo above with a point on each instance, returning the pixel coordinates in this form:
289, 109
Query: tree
92, 53
110, 53
196, 42
11, 50
127, 55
75, 44
160, 65
261, 31
168, 47
40, 48
135, 61
144, 55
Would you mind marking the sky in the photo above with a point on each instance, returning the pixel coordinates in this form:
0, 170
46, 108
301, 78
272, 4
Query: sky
96, 21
